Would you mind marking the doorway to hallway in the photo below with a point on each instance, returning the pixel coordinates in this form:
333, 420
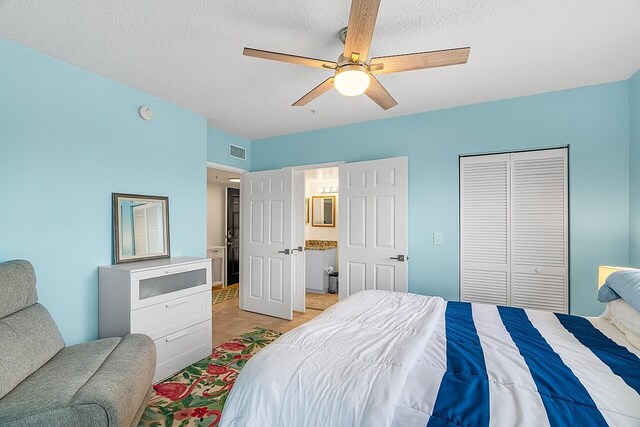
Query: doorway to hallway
233, 236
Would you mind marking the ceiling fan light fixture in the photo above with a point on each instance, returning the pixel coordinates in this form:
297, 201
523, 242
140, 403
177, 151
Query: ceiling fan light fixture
354, 71
352, 80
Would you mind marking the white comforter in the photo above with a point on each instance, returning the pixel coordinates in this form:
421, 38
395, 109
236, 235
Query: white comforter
381, 359
345, 368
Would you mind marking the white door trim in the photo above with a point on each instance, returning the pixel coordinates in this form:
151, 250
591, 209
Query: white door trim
214, 165
298, 239
317, 166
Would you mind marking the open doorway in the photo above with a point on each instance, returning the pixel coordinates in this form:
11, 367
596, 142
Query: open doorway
321, 234
372, 233
277, 223
223, 232
233, 236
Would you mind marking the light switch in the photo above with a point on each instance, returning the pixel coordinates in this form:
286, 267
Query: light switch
437, 238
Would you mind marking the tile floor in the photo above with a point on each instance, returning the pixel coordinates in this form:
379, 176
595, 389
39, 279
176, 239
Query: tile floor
229, 321
321, 301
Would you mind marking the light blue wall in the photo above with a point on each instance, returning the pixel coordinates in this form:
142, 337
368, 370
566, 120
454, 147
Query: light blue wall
594, 121
68, 139
218, 148
634, 170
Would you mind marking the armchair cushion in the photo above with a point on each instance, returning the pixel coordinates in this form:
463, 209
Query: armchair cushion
28, 339
101, 382
17, 286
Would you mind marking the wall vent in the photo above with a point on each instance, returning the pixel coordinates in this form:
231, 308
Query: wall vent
237, 152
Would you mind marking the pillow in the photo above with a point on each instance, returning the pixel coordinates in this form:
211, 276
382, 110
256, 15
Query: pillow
622, 284
626, 319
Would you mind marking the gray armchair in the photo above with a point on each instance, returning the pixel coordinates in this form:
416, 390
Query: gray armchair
43, 383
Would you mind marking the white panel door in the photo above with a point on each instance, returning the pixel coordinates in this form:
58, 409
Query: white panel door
373, 226
266, 270
484, 229
298, 255
539, 230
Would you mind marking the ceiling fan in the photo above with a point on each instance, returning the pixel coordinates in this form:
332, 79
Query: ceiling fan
353, 75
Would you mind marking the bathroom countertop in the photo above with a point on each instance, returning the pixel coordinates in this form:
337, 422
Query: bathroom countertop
320, 245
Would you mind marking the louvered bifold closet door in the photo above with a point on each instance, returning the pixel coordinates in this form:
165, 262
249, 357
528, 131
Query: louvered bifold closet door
484, 228
539, 211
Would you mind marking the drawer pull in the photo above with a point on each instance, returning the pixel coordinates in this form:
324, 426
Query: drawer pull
177, 270
176, 302
175, 337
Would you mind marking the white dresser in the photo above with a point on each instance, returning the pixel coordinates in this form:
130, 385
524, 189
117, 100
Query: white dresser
168, 300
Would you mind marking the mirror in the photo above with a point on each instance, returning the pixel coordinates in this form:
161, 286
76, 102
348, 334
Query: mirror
306, 210
140, 227
324, 211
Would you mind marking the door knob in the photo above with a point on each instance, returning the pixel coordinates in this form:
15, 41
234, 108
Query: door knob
286, 252
399, 258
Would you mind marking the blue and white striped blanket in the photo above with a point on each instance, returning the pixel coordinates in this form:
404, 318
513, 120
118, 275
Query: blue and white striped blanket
502, 366
384, 359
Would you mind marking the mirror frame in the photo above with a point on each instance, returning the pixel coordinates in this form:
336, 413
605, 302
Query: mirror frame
115, 199
306, 210
333, 213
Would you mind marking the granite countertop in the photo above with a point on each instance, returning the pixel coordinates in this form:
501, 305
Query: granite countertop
320, 245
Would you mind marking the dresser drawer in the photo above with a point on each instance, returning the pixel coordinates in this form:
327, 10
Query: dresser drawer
181, 349
168, 317
157, 285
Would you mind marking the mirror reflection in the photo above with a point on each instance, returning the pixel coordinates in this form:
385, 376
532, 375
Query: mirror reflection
324, 211
141, 228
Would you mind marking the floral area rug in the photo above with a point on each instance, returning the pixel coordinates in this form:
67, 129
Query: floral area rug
223, 294
196, 395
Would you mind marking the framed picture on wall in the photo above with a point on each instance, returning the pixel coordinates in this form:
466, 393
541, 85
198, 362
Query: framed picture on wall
306, 210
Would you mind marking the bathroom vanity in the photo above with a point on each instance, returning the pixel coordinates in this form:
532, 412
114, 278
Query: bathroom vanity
320, 255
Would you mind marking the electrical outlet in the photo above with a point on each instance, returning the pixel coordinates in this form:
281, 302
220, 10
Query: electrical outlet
437, 238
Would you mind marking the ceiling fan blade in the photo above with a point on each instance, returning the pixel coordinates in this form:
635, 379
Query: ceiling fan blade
379, 94
292, 59
362, 20
418, 61
315, 92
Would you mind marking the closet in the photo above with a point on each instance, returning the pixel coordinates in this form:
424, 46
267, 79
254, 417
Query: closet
514, 229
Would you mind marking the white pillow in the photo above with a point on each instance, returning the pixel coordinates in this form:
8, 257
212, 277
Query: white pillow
625, 318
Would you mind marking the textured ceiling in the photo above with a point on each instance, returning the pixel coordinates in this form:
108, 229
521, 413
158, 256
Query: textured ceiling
190, 52
222, 177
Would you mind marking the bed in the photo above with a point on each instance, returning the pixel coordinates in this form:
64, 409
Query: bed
394, 359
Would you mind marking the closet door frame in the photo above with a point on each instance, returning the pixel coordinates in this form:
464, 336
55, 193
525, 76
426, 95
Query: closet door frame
567, 220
